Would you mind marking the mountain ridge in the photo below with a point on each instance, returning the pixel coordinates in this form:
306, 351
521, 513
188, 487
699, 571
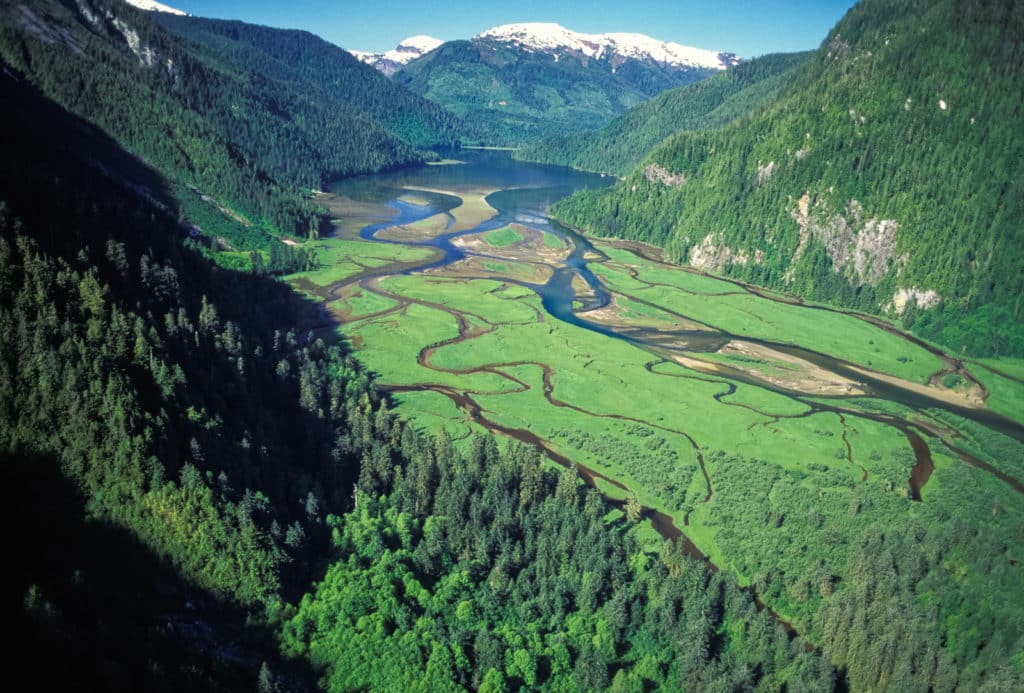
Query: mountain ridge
408, 49
623, 143
154, 6
550, 37
195, 109
887, 179
297, 57
523, 82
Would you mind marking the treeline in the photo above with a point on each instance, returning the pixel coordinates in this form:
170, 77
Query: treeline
204, 429
907, 113
622, 144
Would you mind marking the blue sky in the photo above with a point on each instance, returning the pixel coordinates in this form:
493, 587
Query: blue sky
745, 27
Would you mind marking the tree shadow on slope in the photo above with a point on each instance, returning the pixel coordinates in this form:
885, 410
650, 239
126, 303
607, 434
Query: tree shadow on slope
93, 609
219, 379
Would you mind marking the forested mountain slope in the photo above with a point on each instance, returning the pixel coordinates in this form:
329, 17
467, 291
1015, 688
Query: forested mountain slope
237, 143
888, 177
622, 144
331, 74
183, 407
185, 452
517, 94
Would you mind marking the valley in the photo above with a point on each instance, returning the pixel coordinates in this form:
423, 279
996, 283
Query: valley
774, 435
320, 369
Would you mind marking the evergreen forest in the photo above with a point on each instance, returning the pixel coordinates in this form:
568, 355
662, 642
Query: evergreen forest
890, 167
209, 489
622, 144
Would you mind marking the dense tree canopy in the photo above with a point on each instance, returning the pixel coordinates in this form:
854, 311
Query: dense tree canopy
622, 144
326, 72
891, 166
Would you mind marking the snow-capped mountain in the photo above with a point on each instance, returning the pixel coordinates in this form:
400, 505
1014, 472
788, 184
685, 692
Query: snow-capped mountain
545, 37
523, 82
154, 6
407, 51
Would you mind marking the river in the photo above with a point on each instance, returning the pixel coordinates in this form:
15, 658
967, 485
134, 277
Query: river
522, 194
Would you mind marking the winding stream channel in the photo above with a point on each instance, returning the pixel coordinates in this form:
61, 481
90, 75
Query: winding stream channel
520, 194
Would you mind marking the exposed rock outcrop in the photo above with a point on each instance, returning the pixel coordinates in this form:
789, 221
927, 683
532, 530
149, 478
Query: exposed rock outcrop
44, 29
863, 248
765, 172
920, 297
653, 172
711, 255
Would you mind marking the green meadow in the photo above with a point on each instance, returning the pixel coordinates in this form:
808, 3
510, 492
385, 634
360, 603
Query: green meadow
503, 237
724, 306
1005, 394
339, 259
433, 412
769, 485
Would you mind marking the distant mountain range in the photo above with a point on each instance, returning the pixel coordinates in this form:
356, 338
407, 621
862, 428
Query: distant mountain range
518, 83
522, 82
394, 60
556, 40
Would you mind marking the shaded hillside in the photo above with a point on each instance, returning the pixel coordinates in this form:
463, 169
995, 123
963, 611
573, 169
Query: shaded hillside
887, 178
307, 62
177, 401
236, 144
623, 143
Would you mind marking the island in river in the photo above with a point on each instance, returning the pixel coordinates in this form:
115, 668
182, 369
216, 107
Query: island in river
775, 436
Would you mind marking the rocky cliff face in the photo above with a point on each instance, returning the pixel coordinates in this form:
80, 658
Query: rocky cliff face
862, 248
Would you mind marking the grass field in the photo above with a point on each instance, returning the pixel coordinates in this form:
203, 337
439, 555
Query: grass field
357, 303
339, 259
745, 314
431, 412
768, 482
503, 237
1006, 396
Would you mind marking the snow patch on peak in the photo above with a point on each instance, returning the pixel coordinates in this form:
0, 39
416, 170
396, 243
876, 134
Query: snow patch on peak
640, 47
421, 43
540, 35
548, 37
392, 61
154, 6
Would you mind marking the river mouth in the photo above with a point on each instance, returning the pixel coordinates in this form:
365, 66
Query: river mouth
492, 265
